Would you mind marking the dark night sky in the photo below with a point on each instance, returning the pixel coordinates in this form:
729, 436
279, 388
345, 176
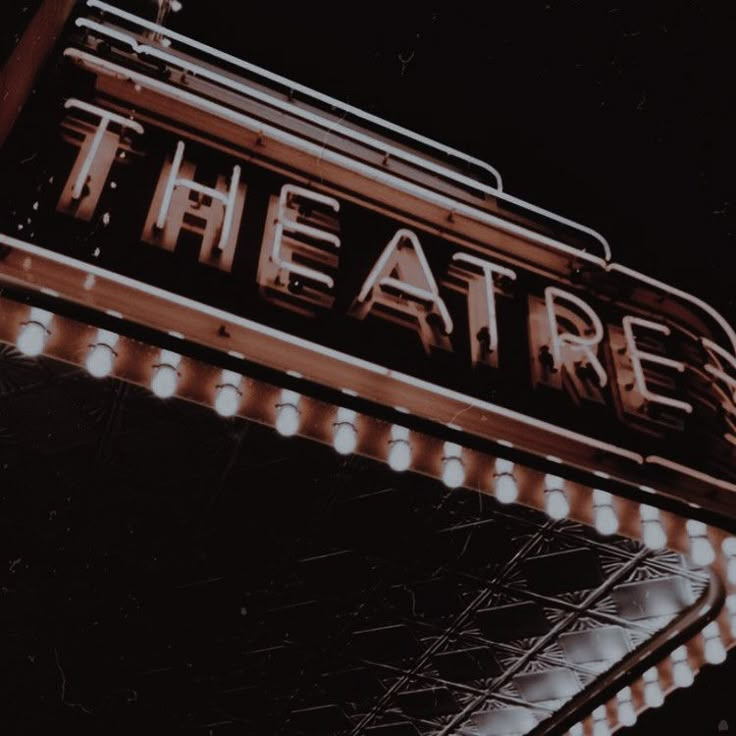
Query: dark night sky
618, 114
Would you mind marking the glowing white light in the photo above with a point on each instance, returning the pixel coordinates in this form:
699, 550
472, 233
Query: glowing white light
227, 400
287, 413
715, 652
653, 695
165, 376
32, 336
604, 515
101, 356
164, 381
346, 435
731, 606
626, 712
31, 339
600, 721
100, 360
507, 489
228, 394
652, 531
556, 504
453, 468
681, 672
175, 6
728, 546
399, 454
701, 550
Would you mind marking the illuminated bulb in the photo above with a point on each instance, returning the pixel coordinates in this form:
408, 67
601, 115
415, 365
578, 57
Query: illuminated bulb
287, 413
101, 356
731, 606
652, 531
626, 712
653, 695
228, 395
681, 672
556, 503
701, 550
32, 336
728, 546
507, 489
453, 468
165, 376
346, 436
715, 652
604, 515
600, 721
175, 6
399, 454
164, 381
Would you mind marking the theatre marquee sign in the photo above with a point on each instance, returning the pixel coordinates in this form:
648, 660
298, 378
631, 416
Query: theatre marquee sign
307, 264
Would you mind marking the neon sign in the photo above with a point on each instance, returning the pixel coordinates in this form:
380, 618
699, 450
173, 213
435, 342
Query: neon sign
213, 222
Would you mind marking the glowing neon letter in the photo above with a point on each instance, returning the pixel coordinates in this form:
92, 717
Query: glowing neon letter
727, 390
210, 213
299, 250
401, 284
579, 343
94, 161
637, 356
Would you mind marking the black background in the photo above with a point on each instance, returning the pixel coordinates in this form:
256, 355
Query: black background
619, 115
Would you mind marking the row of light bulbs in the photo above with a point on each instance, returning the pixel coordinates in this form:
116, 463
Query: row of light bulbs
654, 696
100, 362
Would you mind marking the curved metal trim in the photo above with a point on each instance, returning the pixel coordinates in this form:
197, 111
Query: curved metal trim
645, 656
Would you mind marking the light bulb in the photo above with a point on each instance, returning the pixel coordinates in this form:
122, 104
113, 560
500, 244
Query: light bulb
731, 606
507, 490
399, 453
652, 531
32, 339
715, 652
100, 360
653, 695
287, 413
453, 468
227, 400
604, 515
556, 504
600, 721
626, 712
345, 437
701, 550
728, 546
165, 376
228, 394
101, 355
175, 6
682, 675
34, 333
164, 381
